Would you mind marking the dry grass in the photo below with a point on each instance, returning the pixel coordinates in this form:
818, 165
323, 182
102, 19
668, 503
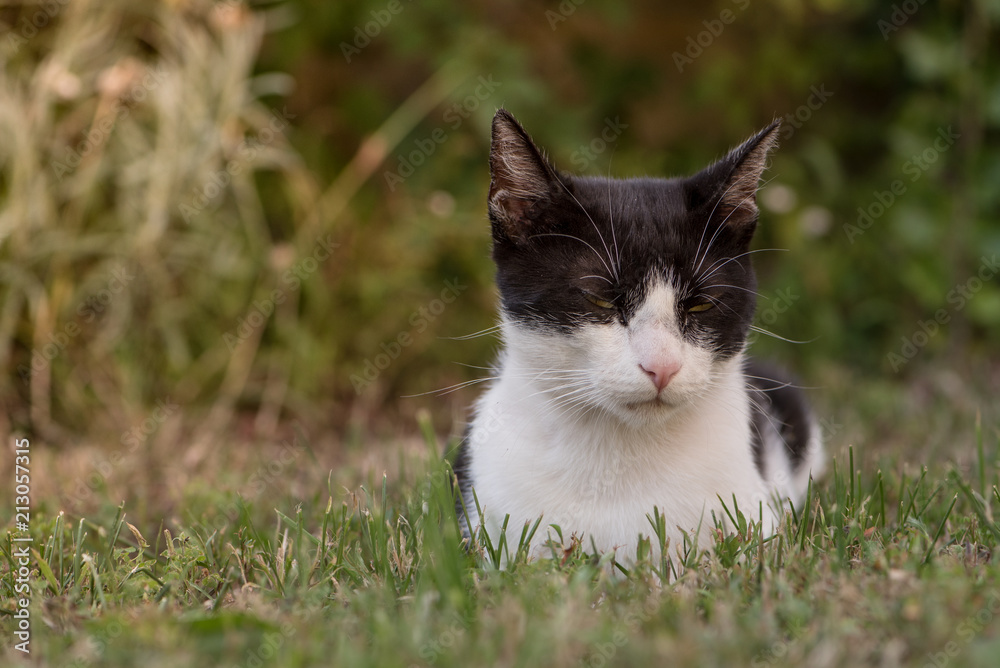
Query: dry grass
132, 233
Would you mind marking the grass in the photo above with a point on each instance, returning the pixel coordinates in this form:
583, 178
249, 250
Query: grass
887, 566
119, 304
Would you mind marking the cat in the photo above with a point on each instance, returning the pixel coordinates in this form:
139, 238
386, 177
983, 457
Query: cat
623, 383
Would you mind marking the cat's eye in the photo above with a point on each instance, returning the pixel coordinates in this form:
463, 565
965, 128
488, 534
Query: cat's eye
597, 301
698, 308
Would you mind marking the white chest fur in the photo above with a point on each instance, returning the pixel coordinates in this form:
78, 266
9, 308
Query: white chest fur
598, 476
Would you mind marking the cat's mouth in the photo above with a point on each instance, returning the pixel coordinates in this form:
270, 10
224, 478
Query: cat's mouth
650, 404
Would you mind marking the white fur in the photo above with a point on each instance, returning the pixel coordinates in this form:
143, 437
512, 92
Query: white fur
575, 431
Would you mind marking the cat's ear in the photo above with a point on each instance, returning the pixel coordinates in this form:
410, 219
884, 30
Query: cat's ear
733, 180
522, 180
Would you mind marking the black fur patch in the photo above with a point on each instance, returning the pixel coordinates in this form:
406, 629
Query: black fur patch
460, 466
779, 404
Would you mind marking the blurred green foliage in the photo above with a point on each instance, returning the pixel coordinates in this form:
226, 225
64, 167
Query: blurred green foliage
384, 156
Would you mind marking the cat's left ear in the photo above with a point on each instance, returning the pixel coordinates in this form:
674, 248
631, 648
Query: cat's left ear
729, 186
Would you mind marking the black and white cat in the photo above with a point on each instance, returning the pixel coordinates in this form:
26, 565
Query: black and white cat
623, 383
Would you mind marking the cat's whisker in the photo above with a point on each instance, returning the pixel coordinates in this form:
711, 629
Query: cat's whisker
777, 426
752, 195
704, 255
735, 287
750, 386
567, 405
708, 222
706, 393
779, 384
768, 417
711, 270
475, 335
554, 370
564, 373
722, 226
570, 236
548, 374
585, 410
603, 278
577, 397
739, 204
450, 388
719, 302
578, 383
611, 212
477, 367
712, 385
558, 390
581, 407
761, 330
600, 236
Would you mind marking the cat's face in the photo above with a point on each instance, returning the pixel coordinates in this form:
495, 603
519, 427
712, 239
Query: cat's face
628, 295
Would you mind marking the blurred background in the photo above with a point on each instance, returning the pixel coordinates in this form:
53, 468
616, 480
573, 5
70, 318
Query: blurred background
219, 219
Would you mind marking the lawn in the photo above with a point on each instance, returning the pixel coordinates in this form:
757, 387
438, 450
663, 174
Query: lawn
295, 555
234, 235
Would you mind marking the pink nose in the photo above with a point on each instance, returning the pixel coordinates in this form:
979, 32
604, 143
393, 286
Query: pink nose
661, 373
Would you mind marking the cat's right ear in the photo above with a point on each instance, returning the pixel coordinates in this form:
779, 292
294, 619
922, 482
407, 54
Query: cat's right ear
729, 186
522, 180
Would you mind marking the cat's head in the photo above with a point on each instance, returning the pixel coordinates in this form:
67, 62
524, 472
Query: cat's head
629, 295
